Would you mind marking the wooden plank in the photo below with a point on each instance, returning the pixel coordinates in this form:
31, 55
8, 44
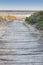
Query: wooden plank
19, 47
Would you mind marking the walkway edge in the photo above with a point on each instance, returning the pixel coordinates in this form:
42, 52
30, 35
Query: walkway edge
32, 28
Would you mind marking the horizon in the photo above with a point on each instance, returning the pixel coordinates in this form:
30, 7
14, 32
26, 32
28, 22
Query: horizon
18, 10
21, 5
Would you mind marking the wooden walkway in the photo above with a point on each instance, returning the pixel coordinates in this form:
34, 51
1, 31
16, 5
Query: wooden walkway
19, 46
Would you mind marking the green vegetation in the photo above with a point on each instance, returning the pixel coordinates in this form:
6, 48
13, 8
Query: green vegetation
1, 19
36, 18
39, 25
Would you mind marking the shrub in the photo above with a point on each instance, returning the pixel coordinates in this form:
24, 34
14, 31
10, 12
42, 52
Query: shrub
39, 25
36, 18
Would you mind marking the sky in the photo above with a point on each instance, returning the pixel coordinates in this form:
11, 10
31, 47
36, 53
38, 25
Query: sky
21, 4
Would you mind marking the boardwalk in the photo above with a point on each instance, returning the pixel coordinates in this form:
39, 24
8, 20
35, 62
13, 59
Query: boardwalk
19, 46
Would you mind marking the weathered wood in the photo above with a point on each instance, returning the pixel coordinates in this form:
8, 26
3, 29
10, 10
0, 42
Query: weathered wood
19, 46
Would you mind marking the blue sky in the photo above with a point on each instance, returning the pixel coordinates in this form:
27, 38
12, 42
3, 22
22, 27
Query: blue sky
21, 4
